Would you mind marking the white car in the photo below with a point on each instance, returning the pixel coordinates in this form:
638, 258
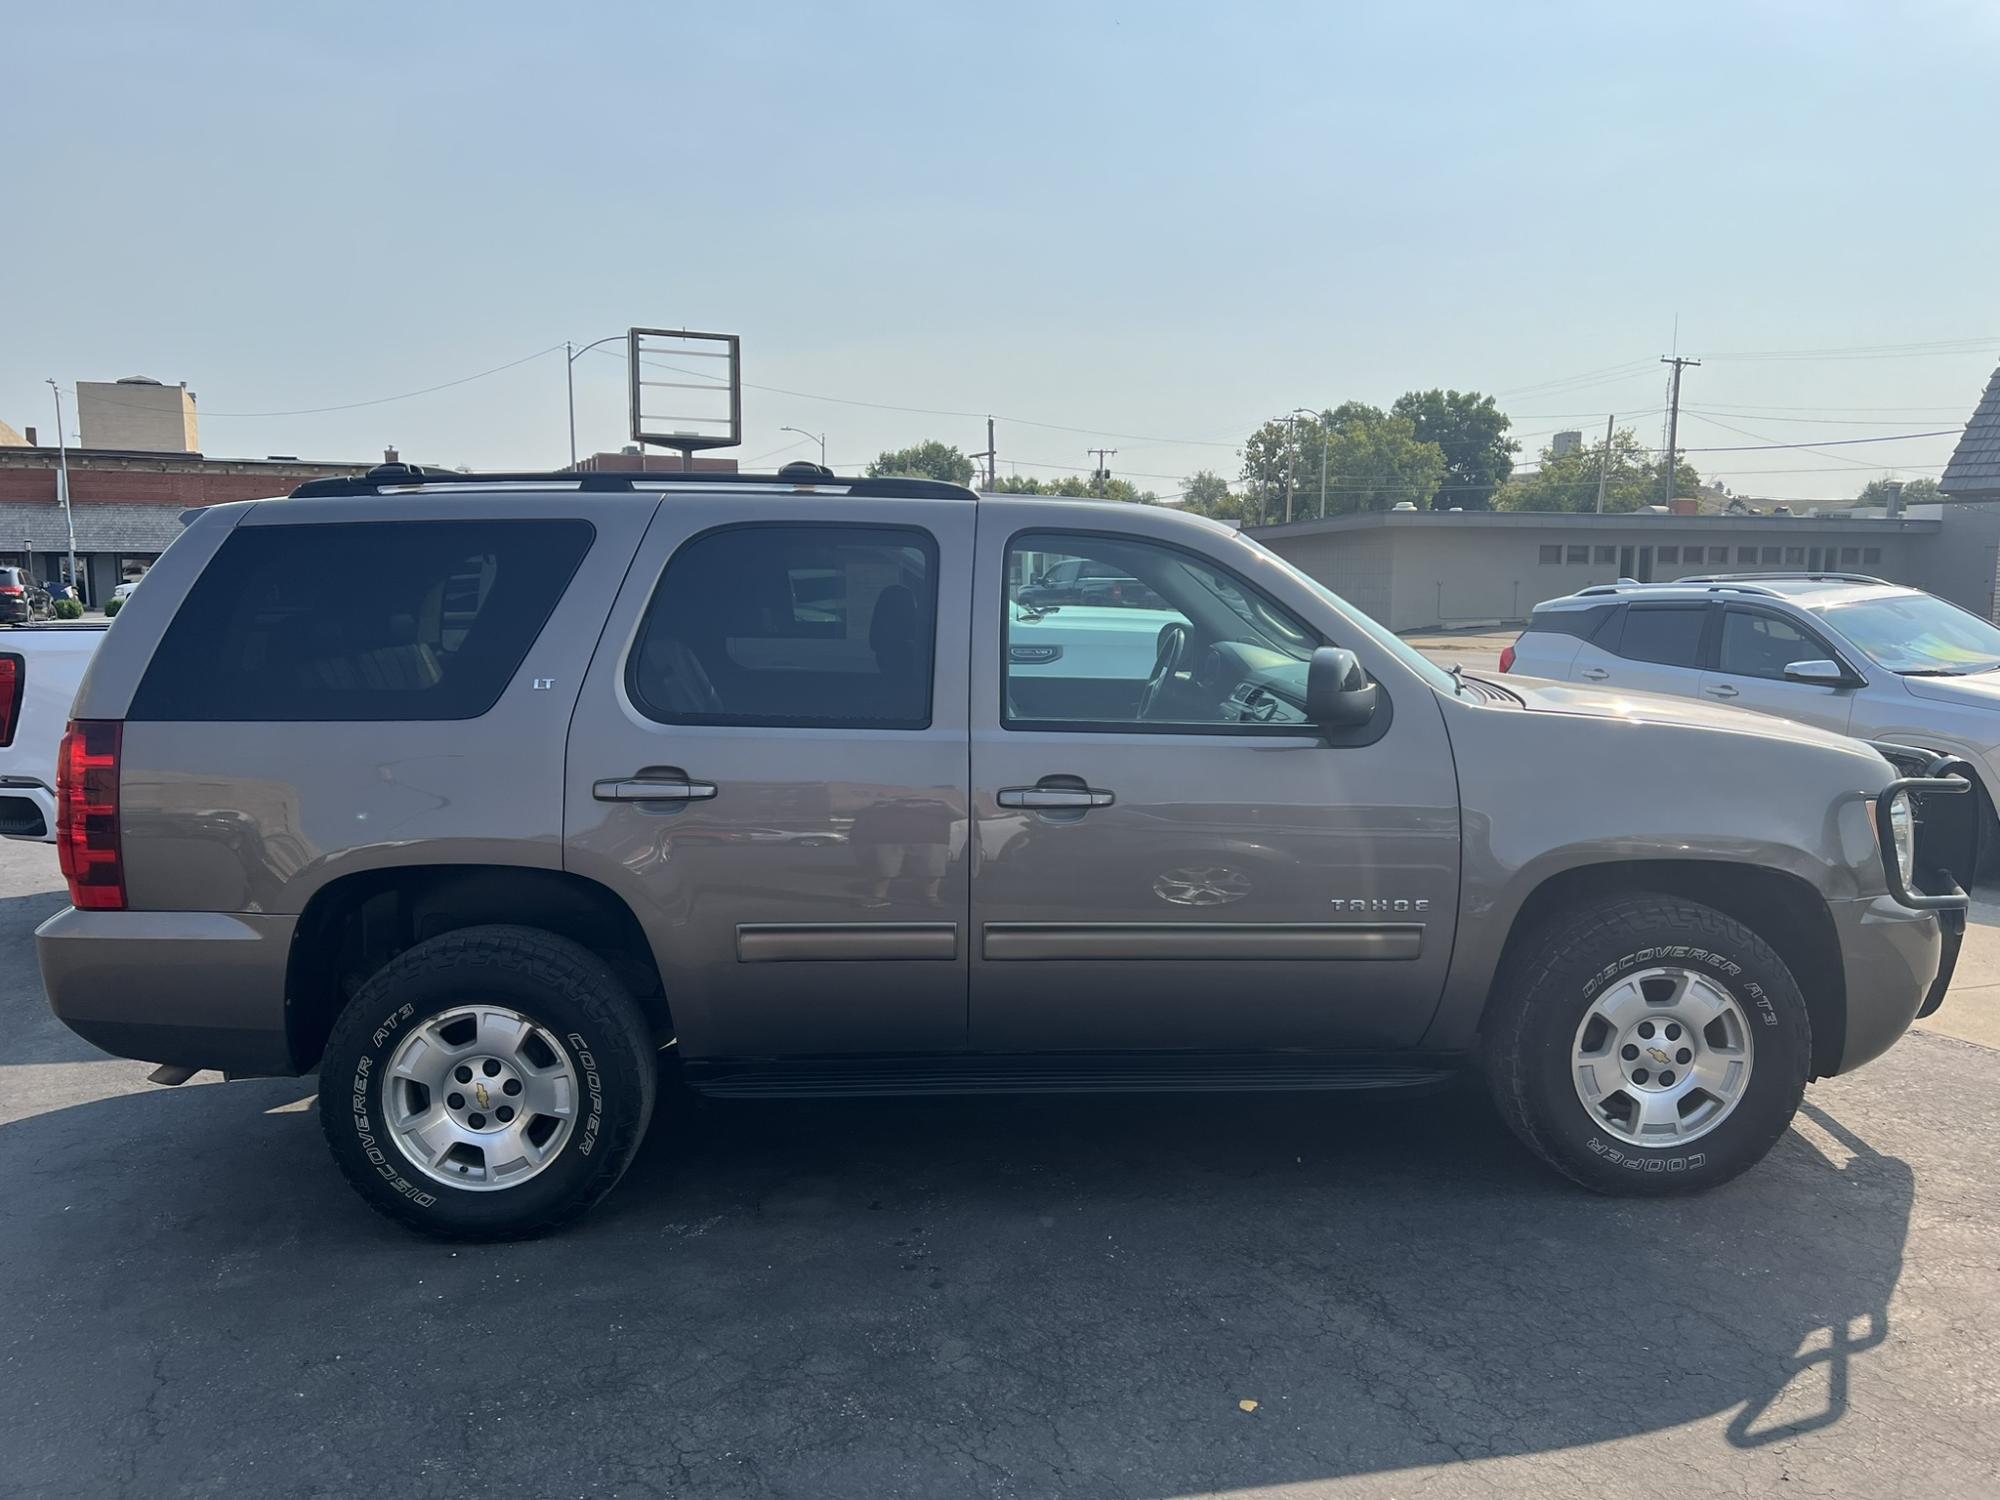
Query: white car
124, 590
1839, 651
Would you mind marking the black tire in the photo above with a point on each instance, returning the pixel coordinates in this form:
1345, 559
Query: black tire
555, 983
1547, 990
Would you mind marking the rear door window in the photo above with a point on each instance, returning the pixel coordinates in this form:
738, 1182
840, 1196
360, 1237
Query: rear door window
805, 627
1668, 635
390, 620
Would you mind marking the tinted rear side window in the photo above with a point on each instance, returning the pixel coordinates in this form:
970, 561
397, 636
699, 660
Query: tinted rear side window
1581, 623
361, 620
1671, 637
820, 627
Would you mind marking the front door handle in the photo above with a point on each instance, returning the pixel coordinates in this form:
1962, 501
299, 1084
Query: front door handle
1066, 798
1593, 674
645, 789
1721, 690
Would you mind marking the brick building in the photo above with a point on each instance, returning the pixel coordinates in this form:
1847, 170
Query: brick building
127, 504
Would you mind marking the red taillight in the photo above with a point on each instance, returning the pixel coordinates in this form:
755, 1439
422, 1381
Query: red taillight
1506, 658
87, 838
11, 590
13, 676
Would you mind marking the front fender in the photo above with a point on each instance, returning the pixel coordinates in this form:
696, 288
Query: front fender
1544, 794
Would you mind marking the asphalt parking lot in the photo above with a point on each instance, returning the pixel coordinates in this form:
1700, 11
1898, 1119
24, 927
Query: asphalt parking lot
1027, 1297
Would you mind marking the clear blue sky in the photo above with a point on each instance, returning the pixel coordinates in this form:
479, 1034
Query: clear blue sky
1157, 219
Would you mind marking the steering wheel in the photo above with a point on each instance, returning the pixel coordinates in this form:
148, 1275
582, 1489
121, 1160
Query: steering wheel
1172, 650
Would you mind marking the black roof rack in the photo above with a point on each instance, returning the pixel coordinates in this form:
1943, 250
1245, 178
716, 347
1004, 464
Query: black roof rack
407, 476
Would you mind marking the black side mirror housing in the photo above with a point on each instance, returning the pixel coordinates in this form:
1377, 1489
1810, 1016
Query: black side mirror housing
1338, 693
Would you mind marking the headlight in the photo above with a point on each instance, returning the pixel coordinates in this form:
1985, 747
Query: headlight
1903, 825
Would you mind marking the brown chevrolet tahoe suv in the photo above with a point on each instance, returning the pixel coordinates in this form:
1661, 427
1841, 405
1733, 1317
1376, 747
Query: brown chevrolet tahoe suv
473, 795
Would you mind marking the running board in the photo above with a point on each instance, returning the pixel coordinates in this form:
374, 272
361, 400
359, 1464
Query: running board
1086, 1073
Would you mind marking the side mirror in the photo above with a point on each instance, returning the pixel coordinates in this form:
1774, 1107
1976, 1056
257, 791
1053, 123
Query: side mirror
1818, 673
1338, 693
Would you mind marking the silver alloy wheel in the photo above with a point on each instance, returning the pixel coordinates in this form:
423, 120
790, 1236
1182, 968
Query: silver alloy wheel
480, 1097
1662, 1057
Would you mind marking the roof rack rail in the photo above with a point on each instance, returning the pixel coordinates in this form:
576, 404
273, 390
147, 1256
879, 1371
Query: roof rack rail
1703, 585
408, 478
1815, 577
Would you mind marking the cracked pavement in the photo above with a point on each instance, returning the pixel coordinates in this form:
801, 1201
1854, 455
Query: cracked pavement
995, 1297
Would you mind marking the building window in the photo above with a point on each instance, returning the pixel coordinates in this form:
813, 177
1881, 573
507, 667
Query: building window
1671, 555
1771, 555
1871, 557
1795, 557
1579, 554
1552, 554
1607, 554
1746, 554
1849, 556
132, 566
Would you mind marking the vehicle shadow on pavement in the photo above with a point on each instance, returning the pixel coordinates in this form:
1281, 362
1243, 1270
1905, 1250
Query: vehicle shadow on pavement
928, 1297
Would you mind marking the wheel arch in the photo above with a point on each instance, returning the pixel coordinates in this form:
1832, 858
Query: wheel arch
1781, 908
354, 925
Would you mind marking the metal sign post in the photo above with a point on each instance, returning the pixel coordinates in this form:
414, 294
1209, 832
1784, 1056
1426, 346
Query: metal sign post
686, 389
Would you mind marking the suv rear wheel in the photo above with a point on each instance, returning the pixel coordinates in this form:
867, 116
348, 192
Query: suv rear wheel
488, 1084
1648, 1044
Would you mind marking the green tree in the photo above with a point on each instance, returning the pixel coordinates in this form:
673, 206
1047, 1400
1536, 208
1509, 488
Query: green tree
1471, 431
1081, 487
1569, 481
1914, 492
929, 460
1371, 459
1206, 493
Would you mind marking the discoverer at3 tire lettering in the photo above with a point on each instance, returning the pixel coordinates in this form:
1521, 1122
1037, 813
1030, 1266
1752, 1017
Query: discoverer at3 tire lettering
1647, 1044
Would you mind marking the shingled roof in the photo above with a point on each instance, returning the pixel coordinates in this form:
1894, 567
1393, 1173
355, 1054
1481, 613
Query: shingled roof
1974, 470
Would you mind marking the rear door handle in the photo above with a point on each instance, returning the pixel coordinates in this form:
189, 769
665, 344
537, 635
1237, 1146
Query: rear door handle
640, 789
1721, 690
1593, 674
1065, 797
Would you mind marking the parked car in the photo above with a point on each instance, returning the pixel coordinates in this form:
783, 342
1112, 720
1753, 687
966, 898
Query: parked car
472, 795
39, 672
22, 600
124, 590
1841, 651
1082, 580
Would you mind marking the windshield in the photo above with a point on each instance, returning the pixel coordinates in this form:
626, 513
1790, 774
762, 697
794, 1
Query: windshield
1918, 635
1380, 634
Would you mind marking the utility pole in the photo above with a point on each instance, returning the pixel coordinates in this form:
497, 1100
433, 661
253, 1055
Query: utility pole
569, 380
62, 488
1674, 415
1103, 474
1604, 464
991, 455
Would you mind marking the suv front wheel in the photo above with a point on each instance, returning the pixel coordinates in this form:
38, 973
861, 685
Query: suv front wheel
490, 1083
1647, 1044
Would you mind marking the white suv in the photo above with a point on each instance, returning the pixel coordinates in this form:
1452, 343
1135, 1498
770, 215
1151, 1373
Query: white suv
1838, 650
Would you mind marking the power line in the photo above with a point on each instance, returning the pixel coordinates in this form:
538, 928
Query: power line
1709, 413
313, 411
1887, 437
1869, 351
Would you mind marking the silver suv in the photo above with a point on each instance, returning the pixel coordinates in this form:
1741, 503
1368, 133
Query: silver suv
474, 794
1838, 650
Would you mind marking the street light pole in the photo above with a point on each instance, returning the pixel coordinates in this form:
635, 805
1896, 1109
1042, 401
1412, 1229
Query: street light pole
62, 486
572, 354
818, 437
1295, 413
